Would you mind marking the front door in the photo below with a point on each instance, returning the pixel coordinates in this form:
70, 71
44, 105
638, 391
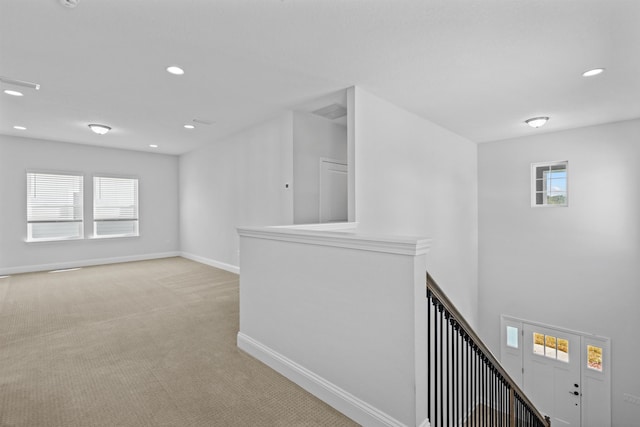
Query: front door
551, 376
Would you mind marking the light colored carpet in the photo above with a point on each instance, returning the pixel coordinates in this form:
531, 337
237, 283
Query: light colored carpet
149, 343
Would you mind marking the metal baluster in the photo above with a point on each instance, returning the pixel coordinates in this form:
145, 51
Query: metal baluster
473, 387
455, 374
482, 389
476, 386
467, 388
429, 347
500, 415
441, 371
447, 414
492, 399
502, 385
436, 370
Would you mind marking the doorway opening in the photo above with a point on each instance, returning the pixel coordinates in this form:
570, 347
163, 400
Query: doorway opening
321, 160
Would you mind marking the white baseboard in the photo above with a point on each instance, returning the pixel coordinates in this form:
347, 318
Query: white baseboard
341, 400
213, 263
83, 263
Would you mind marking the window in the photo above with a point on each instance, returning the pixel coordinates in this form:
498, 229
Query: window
54, 206
550, 346
549, 184
594, 357
115, 207
512, 337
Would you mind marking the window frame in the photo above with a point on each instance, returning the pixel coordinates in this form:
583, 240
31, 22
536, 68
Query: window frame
81, 206
534, 191
94, 233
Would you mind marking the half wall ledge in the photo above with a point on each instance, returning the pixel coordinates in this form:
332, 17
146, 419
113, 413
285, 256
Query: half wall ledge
342, 314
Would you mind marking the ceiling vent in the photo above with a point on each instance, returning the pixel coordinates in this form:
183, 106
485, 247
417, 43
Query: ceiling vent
69, 3
331, 112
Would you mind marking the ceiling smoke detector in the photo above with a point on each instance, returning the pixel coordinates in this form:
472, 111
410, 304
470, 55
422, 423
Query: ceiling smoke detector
69, 3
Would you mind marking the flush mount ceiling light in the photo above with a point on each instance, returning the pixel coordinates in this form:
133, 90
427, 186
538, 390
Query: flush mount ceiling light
175, 70
99, 129
13, 92
20, 128
189, 127
537, 122
594, 72
153, 146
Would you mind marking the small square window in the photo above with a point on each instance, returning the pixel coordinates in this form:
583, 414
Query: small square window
549, 184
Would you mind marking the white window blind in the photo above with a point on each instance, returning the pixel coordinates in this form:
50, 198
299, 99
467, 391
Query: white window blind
115, 207
54, 206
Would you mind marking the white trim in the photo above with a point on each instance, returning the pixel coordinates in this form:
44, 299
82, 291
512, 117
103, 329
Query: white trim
328, 226
533, 184
335, 162
341, 400
341, 239
84, 263
557, 328
213, 263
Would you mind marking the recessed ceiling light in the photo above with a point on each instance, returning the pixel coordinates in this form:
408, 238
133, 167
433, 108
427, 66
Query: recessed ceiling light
99, 129
13, 92
189, 127
153, 146
594, 72
20, 127
175, 70
537, 122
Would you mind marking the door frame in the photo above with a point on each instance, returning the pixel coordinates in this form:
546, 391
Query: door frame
509, 356
337, 162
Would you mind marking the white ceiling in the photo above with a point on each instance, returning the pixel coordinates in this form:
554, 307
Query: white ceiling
478, 68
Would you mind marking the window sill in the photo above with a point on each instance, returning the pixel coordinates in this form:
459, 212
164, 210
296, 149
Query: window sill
65, 239
118, 236
550, 206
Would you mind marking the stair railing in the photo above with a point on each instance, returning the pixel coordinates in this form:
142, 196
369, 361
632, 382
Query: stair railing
467, 385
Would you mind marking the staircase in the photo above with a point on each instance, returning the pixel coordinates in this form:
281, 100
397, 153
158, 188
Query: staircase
467, 386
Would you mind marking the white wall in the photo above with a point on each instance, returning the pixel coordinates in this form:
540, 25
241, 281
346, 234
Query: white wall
313, 138
341, 314
158, 204
416, 178
233, 182
576, 267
